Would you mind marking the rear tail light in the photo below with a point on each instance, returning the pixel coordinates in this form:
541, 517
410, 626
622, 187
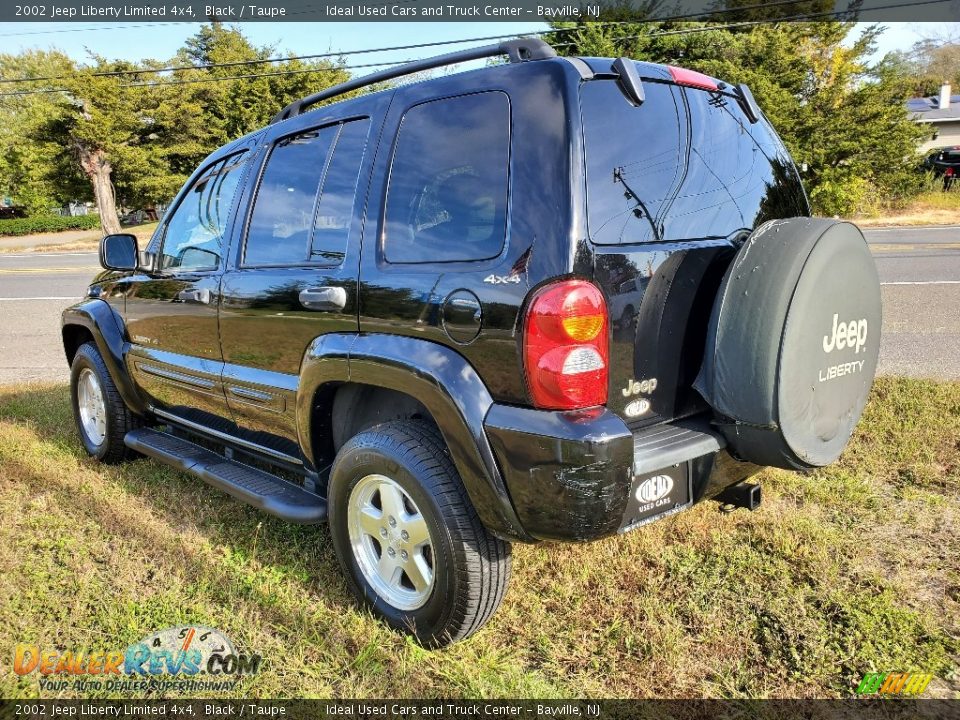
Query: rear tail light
565, 346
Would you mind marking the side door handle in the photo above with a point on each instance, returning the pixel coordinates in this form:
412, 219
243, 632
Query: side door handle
201, 296
324, 298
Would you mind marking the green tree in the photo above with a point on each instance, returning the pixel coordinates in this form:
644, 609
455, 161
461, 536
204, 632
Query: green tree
24, 162
131, 138
103, 126
234, 107
931, 62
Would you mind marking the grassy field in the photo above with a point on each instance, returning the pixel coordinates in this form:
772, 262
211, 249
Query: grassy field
848, 570
933, 207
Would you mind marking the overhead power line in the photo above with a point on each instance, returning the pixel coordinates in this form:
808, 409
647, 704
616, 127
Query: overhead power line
681, 31
165, 83
239, 63
89, 29
367, 51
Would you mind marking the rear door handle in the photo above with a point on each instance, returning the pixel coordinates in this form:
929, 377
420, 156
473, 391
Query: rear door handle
324, 298
201, 296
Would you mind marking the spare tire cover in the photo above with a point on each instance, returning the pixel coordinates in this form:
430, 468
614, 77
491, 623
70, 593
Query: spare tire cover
793, 342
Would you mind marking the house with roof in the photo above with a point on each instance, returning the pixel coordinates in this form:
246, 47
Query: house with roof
942, 114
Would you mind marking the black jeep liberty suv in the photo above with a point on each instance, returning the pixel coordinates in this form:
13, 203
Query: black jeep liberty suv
553, 299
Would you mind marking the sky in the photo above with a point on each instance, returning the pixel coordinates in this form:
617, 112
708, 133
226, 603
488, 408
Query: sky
138, 41
160, 41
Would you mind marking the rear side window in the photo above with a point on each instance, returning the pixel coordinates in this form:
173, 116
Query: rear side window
304, 204
447, 195
684, 165
338, 193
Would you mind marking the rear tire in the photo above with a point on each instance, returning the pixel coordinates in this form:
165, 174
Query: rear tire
102, 418
436, 572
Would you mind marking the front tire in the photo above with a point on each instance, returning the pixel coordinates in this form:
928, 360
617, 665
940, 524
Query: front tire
408, 538
101, 416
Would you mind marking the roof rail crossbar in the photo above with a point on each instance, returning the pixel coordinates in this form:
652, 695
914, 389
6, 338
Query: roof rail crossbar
517, 50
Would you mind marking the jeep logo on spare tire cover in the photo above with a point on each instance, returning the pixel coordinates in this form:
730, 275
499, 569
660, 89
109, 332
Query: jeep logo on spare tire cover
793, 342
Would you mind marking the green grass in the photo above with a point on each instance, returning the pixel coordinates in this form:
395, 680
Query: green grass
850, 569
932, 207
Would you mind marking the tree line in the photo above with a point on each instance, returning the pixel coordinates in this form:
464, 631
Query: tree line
842, 117
131, 139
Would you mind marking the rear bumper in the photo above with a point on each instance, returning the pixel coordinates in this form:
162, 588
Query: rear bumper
574, 476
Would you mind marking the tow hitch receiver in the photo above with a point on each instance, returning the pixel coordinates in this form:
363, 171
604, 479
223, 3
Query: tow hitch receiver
742, 495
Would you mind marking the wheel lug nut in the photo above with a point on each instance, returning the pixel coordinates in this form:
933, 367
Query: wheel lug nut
403, 555
391, 552
383, 532
405, 535
393, 521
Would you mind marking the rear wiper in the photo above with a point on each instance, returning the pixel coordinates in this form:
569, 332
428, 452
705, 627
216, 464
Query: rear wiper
640, 210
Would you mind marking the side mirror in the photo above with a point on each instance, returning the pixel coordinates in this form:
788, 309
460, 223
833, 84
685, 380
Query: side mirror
119, 252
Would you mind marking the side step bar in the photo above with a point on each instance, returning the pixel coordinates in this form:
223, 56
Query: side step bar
267, 492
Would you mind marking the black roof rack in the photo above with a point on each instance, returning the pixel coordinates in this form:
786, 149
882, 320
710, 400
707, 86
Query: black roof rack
517, 50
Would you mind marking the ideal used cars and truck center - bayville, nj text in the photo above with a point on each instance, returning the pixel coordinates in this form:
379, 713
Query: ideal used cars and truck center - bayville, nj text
260, 12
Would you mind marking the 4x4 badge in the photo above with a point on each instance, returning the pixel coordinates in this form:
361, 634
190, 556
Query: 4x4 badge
502, 279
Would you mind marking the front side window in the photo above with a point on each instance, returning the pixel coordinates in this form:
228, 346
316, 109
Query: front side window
447, 196
193, 238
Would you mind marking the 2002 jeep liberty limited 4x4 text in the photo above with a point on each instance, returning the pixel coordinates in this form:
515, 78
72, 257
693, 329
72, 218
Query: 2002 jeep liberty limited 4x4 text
553, 299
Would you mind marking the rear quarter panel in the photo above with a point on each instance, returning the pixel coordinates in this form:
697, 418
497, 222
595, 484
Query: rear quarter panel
542, 236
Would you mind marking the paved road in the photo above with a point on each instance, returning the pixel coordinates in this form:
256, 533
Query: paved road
920, 272
919, 269
34, 288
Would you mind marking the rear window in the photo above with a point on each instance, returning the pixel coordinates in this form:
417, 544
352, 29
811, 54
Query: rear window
633, 159
684, 165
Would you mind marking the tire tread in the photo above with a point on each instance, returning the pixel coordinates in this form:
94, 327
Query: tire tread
120, 419
483, 561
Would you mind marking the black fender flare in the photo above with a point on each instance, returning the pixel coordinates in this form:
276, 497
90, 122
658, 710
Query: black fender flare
100, 319
444, 382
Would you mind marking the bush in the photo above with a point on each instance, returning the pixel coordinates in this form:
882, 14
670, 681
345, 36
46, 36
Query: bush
48, 223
